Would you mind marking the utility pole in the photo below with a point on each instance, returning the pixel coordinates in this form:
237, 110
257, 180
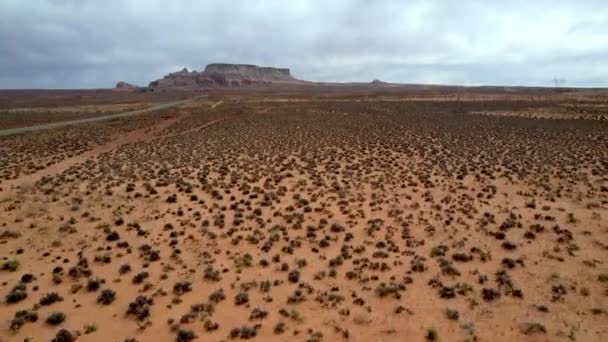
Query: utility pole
557, 82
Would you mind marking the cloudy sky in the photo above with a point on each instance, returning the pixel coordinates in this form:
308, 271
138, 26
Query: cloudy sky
95, 43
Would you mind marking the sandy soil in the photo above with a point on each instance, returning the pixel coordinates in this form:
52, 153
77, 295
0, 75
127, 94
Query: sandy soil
260, 217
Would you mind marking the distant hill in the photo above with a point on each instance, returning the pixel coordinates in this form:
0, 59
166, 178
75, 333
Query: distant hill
125, 86
376, 81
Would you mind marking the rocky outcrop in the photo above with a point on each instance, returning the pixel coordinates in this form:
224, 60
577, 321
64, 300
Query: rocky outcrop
225, 75
125, 86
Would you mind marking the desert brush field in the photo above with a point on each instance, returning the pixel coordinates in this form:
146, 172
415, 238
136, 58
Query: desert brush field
311, 216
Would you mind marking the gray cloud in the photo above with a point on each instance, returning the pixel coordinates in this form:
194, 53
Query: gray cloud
90, 43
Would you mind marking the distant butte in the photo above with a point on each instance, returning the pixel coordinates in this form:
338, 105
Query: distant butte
377, 81
125, 86
226, 75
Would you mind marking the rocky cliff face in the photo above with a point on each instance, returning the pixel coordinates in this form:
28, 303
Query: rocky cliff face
225, 75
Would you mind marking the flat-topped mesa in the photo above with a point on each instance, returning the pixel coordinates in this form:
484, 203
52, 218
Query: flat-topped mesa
226, 75
249, 70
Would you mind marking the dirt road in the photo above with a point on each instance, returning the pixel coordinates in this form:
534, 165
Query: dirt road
18, 130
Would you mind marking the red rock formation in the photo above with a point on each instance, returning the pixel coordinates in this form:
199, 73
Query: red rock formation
225, 75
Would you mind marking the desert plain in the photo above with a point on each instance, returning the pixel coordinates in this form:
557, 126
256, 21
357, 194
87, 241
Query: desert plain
306, 213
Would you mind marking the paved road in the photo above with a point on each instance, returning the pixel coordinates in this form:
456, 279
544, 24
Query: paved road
18, 130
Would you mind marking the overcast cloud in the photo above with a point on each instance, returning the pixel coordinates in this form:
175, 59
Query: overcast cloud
95, 43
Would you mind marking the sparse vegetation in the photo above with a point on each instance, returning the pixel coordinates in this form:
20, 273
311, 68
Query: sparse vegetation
55, 318
338, 209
